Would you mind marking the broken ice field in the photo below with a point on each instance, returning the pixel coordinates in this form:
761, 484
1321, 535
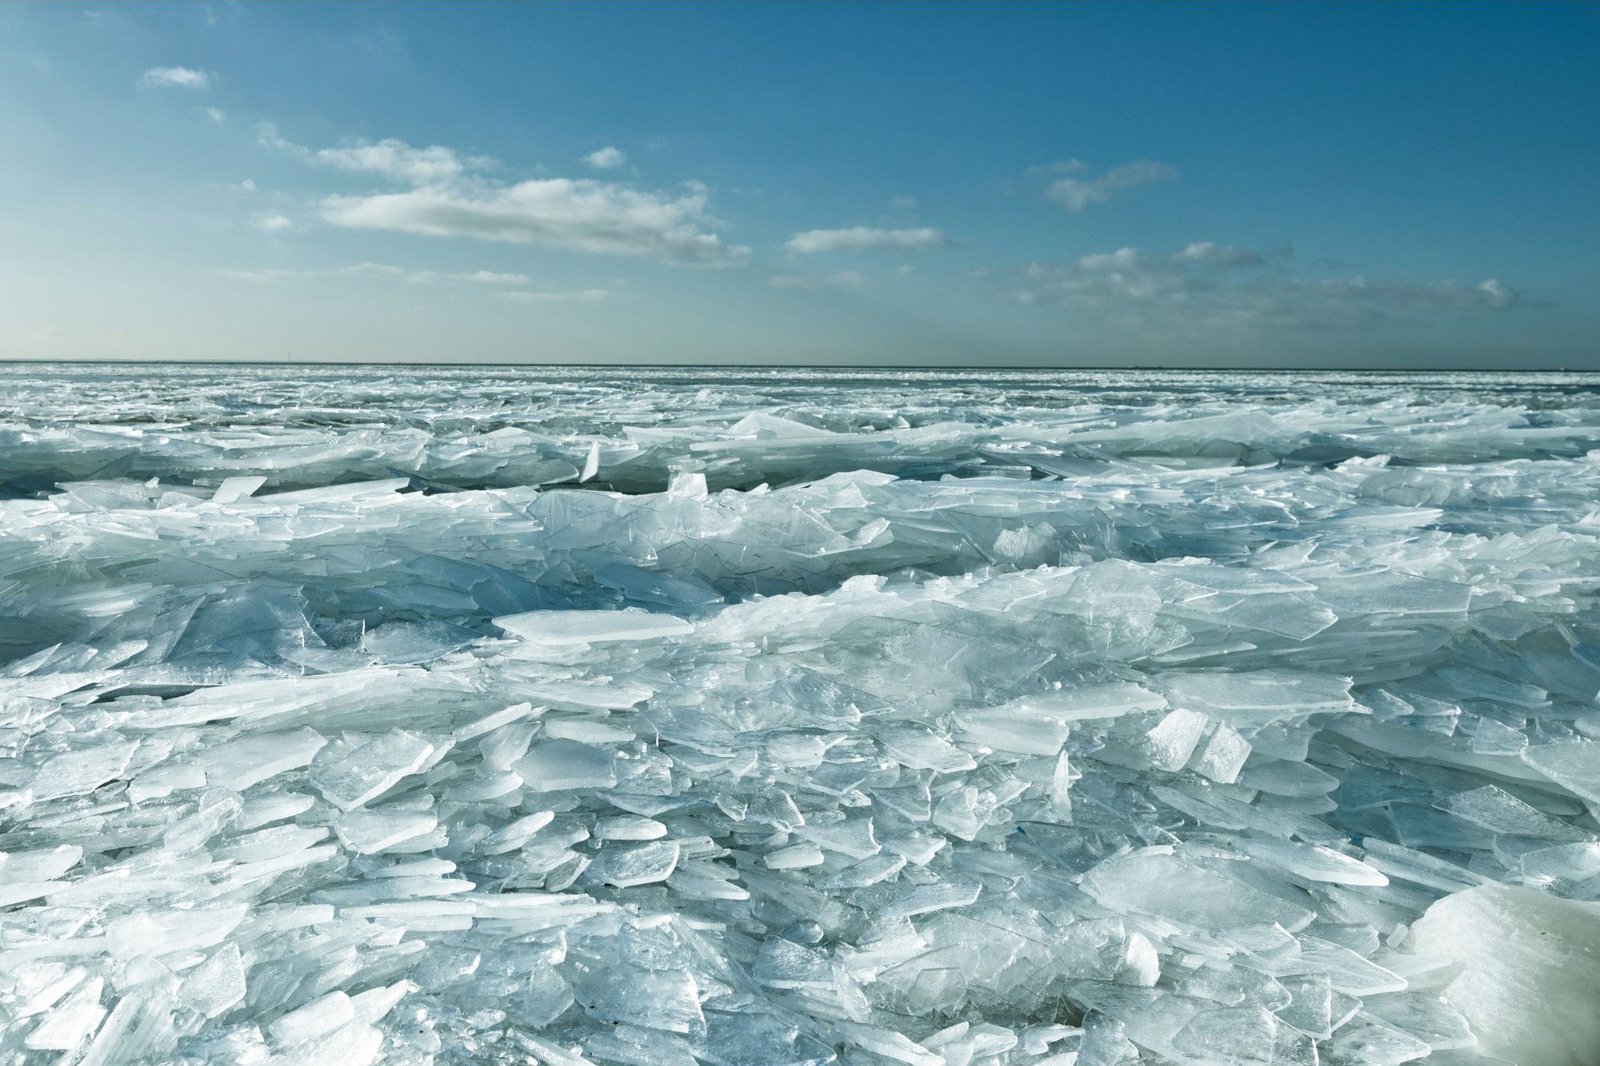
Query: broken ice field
788, 718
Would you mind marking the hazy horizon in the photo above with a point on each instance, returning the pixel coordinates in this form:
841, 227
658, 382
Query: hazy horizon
1088, 186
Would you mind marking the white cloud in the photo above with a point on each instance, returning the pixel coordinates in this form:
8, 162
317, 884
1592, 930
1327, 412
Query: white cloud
583, 296
1076, 193
175, 78
578, 215
215, 114
1209, 283
607, 158
1222, 255
271, 222
856, 238
1121, 259
445, 197
389, 158
434, 165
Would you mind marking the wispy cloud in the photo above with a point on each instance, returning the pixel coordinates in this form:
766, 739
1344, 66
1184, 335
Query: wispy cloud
844, 279
607, 158
1201, 257
857, 238
446, 195
262, 275
1209, 283
271, 222
175, 78
570, 296
1076, 189
487, 278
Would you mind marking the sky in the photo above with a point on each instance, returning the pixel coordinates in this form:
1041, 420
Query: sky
1395, 185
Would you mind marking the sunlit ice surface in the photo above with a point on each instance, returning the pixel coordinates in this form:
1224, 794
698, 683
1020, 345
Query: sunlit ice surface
758, 717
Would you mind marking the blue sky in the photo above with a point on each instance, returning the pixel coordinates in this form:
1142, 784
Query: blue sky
982, 184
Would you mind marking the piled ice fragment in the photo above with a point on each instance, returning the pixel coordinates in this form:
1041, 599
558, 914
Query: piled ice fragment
1036, 728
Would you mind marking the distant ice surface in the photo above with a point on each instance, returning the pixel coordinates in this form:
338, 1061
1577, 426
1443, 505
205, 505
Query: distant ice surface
752, 718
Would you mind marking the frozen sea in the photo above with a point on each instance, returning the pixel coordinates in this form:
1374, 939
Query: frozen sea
769, 717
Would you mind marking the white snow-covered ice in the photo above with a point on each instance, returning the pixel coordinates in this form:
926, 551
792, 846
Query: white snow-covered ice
749, 718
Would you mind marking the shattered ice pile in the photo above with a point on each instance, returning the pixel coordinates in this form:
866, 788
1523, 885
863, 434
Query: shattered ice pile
950, 720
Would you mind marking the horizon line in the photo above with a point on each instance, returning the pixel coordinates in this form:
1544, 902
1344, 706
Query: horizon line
960, 368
